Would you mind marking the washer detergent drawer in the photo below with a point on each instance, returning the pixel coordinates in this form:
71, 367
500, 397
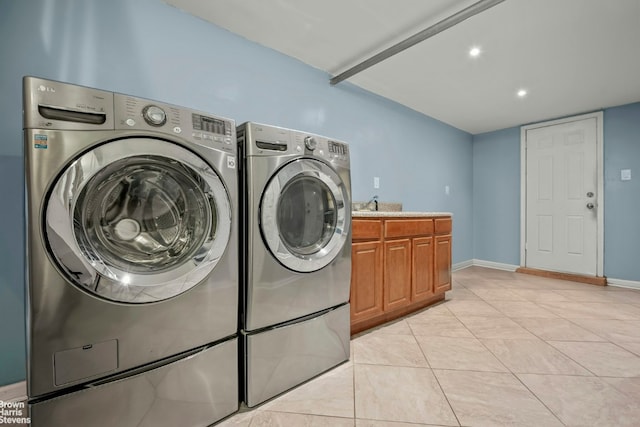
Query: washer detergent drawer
85, 362
281, 358
197, 390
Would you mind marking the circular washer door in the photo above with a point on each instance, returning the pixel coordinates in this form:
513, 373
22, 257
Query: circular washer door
137, 220
303, 215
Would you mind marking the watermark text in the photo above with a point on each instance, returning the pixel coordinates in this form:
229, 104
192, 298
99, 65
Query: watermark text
13, 413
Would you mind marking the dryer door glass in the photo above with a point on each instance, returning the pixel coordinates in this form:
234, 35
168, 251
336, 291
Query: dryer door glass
138, 220
304, 215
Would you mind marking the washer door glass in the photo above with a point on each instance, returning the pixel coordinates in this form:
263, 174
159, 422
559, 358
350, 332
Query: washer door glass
304, 219
138, 220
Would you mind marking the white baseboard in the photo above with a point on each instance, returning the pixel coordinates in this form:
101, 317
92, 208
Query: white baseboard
481, 263
633, 284
496, 265
14, 392
461, 265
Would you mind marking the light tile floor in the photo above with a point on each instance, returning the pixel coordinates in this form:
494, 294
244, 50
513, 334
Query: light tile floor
503, 349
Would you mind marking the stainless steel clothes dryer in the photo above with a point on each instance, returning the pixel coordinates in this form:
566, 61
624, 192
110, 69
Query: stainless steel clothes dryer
297, 257
132, 240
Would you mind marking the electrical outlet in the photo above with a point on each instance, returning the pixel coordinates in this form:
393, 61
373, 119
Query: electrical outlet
625, 174
446, 190
376, 182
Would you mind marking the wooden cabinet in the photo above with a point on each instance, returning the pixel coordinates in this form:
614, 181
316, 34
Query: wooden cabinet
399, 265
422, 272
366, 270
366, 280
397, 274
442, 255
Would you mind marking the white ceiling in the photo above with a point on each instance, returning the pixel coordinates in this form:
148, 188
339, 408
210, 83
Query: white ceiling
572, 56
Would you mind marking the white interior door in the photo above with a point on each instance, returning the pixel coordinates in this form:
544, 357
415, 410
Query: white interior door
562, 187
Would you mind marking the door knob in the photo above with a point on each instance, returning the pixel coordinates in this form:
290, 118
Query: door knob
590, 205
590, 194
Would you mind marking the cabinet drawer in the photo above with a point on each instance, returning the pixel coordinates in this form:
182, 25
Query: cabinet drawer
407, 227
363, 229
443, 225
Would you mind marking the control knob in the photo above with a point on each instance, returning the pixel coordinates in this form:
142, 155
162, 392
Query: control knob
154, 115
311, 143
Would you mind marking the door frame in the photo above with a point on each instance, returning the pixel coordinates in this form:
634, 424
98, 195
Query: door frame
598, 115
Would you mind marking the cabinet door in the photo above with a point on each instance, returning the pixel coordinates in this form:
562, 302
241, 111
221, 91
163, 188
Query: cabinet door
366, 280
442, 257
397, 274
422, 273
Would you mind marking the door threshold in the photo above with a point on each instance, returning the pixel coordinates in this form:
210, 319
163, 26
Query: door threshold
590, 280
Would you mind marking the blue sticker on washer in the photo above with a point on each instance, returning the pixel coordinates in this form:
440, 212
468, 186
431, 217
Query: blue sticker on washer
40, 141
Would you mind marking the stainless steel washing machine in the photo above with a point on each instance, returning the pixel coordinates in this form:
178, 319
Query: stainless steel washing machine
297, 257
132, 248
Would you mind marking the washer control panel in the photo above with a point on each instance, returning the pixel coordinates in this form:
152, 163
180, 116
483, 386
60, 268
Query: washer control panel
63, 106
154, 115
310, 142
212, 129
202, 128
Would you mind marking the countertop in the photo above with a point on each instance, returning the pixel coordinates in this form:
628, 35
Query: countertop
385, 214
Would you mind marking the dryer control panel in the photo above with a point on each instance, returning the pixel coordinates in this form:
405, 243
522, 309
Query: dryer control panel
319, 146
267, 141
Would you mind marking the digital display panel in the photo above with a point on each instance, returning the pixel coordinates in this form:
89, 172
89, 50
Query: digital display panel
337, 148
209, 124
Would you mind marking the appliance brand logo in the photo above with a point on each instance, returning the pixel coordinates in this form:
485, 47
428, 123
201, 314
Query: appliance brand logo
43, 88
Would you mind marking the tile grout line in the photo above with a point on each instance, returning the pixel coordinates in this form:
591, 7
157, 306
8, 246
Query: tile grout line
436, 377
588, 330
514, 375
536, 336
546, 342
538, 398
353, 384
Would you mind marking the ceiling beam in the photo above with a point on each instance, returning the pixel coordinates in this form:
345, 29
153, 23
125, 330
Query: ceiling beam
446, 23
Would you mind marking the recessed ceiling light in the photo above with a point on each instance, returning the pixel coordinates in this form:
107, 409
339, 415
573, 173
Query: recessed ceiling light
475, 51
522, 93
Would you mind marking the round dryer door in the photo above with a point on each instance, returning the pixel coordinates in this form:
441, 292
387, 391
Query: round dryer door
138, 220
303, 215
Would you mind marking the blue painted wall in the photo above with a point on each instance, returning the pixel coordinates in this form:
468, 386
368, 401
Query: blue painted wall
496, 194
622, 198
149, 49
11, 268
